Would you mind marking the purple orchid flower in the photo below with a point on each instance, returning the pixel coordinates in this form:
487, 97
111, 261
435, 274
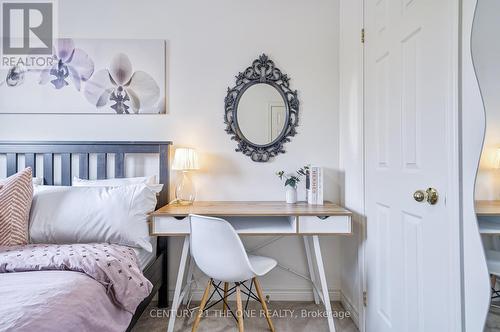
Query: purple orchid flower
70, 64
122, 86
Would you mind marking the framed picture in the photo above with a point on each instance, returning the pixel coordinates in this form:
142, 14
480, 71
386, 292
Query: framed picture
90, 76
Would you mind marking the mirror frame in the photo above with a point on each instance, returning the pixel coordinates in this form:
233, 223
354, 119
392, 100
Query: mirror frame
264, 71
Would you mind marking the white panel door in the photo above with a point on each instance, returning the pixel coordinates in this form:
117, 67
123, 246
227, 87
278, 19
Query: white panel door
412, 249
276, 120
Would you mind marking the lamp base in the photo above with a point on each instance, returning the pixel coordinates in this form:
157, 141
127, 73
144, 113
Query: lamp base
182, 202
185, 192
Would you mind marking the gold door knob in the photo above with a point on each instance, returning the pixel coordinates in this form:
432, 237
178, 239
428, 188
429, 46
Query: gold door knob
430, 195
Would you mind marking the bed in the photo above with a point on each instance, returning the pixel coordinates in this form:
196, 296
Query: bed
58, 284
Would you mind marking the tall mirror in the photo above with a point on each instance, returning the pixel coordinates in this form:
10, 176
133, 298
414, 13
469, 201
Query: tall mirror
485, 46
261, 111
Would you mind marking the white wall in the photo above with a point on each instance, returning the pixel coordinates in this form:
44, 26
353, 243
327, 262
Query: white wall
209, 42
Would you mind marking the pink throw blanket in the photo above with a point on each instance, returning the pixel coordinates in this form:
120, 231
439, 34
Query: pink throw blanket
113, 266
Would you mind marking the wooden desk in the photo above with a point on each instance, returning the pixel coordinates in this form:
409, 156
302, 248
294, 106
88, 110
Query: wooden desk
258, 218
486, 212
252, 209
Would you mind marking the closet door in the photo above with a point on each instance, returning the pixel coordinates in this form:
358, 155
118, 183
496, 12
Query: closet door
411, 145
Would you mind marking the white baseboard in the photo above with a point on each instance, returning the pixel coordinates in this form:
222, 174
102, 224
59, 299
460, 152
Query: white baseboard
347, 304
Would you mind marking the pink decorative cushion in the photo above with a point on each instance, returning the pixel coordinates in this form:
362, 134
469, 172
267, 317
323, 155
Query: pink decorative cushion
16, 194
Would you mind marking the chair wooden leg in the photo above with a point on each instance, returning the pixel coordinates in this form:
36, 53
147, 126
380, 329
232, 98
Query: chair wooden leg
239, 311
202, 306
263, 303
493, 280
224, 306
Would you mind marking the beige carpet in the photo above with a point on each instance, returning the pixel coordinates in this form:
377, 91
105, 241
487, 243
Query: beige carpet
288, 316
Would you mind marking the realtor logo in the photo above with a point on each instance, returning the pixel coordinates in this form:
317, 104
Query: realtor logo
27, 33
27, 28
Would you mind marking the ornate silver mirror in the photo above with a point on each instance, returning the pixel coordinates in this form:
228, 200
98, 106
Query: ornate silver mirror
261, 112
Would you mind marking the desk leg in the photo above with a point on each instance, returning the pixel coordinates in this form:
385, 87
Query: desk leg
189, 280
322, 279
310, 265
178, 284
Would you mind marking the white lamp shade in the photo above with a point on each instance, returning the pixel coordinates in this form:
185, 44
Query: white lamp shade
185, 159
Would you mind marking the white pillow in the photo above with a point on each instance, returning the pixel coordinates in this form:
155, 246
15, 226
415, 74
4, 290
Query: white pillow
37, 181
92, 214
150, 181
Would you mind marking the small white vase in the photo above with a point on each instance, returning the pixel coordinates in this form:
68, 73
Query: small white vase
291, 195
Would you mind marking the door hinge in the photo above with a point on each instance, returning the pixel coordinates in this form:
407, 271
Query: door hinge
362, 36
365, 298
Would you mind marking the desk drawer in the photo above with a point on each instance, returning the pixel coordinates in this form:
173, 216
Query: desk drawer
169, 226
330, 225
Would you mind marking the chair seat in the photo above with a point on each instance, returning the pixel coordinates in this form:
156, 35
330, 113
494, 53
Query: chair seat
493, 261
262, 265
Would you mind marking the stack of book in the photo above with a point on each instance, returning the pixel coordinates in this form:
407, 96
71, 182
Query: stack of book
314, 185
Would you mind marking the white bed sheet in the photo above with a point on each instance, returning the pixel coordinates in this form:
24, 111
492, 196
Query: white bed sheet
53, 301
144, 257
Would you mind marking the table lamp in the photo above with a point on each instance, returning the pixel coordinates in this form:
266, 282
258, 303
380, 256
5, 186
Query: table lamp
185, 160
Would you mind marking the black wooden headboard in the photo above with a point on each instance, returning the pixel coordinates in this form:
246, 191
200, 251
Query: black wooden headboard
83, 149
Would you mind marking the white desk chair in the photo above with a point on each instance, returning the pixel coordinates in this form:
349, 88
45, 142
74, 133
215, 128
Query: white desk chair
493, 262
219, 253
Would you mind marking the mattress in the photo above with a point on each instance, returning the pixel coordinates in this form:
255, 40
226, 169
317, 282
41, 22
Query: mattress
145, 258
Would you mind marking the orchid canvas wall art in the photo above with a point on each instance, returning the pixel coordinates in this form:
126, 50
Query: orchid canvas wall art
90, 76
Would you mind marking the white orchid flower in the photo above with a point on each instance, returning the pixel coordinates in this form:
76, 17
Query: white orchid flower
122, 86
